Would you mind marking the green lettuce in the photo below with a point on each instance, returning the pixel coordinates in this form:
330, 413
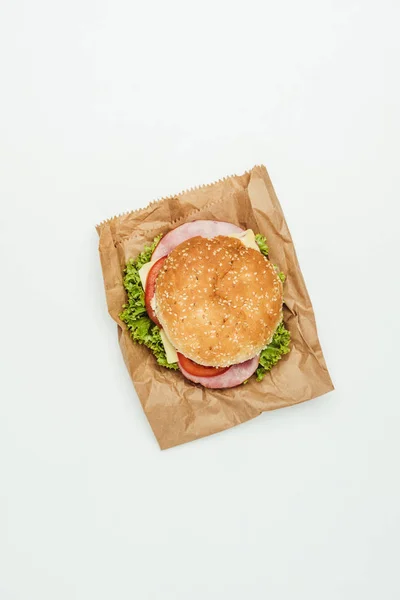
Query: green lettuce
262, 243
281, 275
144, 331
134, 315
274, 351
280, 343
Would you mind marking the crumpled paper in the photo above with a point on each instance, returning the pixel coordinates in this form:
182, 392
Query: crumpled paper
178, 410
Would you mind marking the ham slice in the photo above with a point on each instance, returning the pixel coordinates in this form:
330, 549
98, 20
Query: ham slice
235, 375
207, 229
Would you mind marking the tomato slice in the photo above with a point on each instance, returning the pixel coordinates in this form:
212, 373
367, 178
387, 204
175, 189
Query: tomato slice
199, 370
151, 288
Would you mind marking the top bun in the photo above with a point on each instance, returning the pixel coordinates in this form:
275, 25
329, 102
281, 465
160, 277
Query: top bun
218, 301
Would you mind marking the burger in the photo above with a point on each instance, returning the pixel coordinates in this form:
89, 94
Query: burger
207, 301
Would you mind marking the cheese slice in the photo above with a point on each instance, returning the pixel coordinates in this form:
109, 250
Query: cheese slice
144, 271
170, 351
247, 238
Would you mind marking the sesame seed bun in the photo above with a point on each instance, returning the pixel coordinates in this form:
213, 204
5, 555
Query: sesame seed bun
218, 301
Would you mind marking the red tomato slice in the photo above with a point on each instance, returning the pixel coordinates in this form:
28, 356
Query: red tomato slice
151, 288
199, 370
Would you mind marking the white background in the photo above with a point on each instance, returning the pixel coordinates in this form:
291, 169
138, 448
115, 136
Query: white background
104, 107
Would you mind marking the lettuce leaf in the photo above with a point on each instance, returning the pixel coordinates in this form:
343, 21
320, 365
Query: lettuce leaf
281, 275
134, 315
274, 351
262, 244
279, 345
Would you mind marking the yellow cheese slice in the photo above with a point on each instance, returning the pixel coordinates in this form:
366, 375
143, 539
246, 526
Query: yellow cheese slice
170, 351
247, 238
144, 271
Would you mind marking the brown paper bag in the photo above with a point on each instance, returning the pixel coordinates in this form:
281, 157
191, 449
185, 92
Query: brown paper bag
178, 410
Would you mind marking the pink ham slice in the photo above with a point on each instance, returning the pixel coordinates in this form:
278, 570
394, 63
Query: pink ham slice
207, 229
232, 377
